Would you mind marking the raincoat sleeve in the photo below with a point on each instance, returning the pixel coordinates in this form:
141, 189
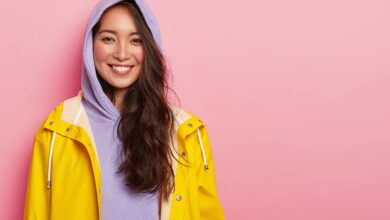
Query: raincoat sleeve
37, 200
209, 204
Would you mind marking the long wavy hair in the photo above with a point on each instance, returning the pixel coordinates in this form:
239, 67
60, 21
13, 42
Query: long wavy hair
146, 125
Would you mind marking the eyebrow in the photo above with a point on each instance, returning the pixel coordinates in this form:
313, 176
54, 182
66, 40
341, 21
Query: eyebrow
114, 32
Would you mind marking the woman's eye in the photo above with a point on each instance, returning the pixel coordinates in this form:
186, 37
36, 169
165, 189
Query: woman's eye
136, 40
107, 39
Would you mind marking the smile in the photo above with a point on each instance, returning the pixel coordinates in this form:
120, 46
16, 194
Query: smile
120, 69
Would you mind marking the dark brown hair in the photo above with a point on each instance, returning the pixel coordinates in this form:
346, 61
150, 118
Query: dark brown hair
146, 125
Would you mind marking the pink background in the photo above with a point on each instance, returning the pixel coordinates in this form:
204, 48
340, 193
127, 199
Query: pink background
295, 95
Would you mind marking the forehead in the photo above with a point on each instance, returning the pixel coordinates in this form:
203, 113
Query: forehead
118, 17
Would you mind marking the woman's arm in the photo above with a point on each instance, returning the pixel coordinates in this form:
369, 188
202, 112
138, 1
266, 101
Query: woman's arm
209, 204
37, 201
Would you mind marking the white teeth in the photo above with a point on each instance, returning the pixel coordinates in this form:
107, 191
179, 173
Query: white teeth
121, 68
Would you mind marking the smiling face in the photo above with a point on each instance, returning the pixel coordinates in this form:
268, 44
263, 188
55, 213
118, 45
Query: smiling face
117, 49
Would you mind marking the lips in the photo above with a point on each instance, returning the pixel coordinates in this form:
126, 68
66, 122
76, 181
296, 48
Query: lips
121, 69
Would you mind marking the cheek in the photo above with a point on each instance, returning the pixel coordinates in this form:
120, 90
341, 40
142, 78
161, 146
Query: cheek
139, 55
99, 53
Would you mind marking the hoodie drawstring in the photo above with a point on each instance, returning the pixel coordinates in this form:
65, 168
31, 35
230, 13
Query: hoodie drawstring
52, 146
206, 167
50, 157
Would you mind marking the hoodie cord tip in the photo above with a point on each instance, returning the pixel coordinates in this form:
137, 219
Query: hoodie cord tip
206, 167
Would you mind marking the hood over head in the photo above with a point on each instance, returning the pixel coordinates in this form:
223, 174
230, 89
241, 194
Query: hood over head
95, 99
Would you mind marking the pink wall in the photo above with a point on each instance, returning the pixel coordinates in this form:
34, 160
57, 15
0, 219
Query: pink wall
295, 95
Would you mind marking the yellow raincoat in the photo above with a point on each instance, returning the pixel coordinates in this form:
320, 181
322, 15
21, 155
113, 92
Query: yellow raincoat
65, 182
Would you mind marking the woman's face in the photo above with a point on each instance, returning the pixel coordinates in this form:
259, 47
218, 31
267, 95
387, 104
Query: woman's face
117, 49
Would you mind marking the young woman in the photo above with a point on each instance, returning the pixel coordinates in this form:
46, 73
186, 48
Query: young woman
119, 150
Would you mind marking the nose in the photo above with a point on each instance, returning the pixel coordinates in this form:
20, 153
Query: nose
122, 52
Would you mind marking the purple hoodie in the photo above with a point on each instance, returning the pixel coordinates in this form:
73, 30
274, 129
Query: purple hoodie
118, 201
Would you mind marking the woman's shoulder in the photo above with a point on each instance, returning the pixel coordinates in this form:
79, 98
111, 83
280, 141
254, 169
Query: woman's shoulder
66, 109
63, 111
187, 122
184, 115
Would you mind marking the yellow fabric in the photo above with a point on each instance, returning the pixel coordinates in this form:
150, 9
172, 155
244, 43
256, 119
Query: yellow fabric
75, 191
